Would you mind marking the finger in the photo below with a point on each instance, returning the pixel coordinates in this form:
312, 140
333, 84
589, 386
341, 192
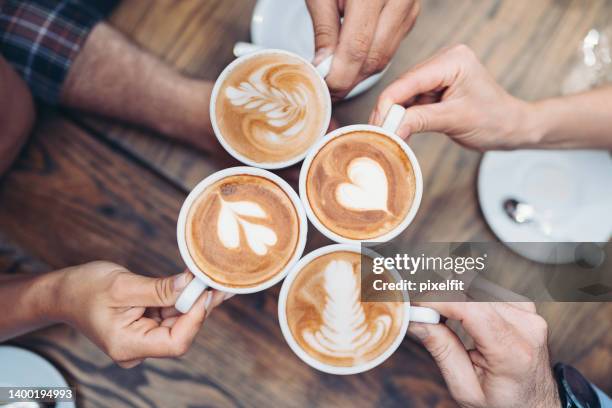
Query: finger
326, 25
435, 117
162, 341
356, 35
488, 329
452, 359
218, 298
389, 33
129, 364
168, 312
138, 290
432, 75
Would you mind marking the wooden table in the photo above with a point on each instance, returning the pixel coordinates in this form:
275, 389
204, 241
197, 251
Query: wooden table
86, 188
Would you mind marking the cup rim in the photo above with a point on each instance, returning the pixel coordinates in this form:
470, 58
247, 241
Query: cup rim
418, 194
213, 178
213, 117
303, 355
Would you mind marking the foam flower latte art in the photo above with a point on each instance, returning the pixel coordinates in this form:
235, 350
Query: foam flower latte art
344, 331
283, 110
272, 108
327, 318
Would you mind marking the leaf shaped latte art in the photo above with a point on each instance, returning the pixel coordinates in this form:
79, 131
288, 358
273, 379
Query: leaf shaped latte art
276, 114
345, 330
231, 221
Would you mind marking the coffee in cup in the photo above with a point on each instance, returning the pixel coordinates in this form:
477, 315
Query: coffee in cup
240, 230
361, 183
324, 320
269, 107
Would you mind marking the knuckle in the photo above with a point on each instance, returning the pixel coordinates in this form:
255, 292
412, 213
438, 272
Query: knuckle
376, 61
525, 354
162, 289
464, 51
440, 351
359, 47
115, 352
180, 348
324, 32
419, 120
539, 326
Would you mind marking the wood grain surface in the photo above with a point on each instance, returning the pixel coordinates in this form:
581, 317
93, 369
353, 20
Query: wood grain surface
99, 189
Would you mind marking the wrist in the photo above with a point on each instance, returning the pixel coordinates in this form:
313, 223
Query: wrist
189, 120
530, 127
47, 297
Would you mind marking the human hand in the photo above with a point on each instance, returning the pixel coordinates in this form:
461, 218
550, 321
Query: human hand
453, 93
131, 317
366, 40
509, 366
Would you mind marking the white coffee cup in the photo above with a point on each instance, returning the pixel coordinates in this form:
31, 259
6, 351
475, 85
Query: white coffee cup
201, 280
388, 129
245, 52
411, 313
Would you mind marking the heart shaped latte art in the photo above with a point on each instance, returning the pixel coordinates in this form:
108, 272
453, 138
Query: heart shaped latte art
368, 186
230, 221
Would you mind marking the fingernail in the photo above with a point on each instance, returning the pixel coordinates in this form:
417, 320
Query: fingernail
376, 120
404, 130
320, 55
208, 301
228, 296
418, 330
385, 107
180, 281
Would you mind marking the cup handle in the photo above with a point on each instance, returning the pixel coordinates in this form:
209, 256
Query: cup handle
190, 294
420, 314
394, 118
242, 48
325, 66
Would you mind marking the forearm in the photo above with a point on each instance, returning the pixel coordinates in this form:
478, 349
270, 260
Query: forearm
113, 77
572, 122
29, 302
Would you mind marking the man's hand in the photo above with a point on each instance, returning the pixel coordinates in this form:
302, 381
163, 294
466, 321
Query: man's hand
453, 93
510, 365
131, 317
366, 40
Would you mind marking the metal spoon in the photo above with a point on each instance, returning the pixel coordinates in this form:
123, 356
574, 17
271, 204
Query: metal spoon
587, 254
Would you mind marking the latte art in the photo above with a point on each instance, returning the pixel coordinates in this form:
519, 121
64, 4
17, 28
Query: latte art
327, 319
242, 230
285, 110
361, 185
272, 108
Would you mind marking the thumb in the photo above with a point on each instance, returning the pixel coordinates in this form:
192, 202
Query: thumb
435, 117
159, 292
452, 358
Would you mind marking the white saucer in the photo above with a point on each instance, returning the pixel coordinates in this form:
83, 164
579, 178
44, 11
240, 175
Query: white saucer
22, 368
286, 25
570, 190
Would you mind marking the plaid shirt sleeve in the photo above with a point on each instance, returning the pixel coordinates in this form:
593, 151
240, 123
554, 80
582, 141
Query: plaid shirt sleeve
41, 39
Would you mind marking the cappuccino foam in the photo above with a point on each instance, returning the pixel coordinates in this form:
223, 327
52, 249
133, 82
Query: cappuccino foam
272, 108
242, 230
361, 185
330, 323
